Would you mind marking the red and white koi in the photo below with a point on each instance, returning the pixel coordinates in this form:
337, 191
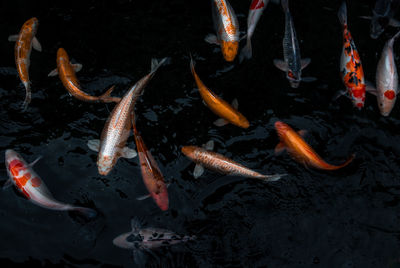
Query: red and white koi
256, 9
32, 187
23, 47
111, 145
227, 28
350, 64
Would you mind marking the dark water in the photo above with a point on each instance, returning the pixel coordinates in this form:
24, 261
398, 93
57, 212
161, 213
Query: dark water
348, 218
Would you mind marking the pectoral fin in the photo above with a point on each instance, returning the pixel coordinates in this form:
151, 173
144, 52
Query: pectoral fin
127, 152
35, 161
308, 79
235, 104
13, 38
94, 145
77, 67
369, 87
394, 22
7, 184
211, 39
302, 132
339, 94
305, 62
209, 145
36, 45
280, 148
198, 171
220, 122
281, 65
53, 73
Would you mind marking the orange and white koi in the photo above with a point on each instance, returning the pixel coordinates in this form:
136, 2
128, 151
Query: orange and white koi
23, 47
151, 174
350, 64
228, 113
387, 79
66, 71
227, 27
117, 128
222, 164
256, 9
300, 150
33, 188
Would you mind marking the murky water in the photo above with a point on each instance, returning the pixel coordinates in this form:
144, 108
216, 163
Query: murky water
348, 218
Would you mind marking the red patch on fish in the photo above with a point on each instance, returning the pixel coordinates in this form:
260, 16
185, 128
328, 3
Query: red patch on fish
26, 193
257, 4
358, 93
390, 94
15, 166
36, 182
360, 105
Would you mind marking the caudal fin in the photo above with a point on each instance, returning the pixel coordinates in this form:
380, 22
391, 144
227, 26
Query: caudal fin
332, 167
107, 98
342, 14
155, 64
271, 178
28, 96
246, 52
88, 212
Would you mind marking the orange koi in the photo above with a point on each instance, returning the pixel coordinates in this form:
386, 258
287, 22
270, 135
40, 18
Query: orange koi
66, 71
218, 106
23, 47
300, 150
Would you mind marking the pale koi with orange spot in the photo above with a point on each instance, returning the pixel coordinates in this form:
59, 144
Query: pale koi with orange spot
351, 69
66, 71
227, 28
300, 150
23, 47
32, 187
114, 136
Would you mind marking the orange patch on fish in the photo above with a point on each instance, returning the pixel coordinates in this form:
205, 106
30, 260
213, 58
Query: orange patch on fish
390, 94
21, 182
229, 49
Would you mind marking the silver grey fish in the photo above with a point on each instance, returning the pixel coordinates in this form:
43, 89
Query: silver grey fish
292, 63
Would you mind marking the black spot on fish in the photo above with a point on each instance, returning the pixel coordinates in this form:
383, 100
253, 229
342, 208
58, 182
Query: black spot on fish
347, 49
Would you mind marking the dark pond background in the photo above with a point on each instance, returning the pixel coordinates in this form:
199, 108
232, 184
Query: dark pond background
348, 218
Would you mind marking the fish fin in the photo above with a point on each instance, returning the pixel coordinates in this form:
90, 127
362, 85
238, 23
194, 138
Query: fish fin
107, 98
302, 132
209, 145
53, 72
198, 171
339, 94
365, 17
139, 257
94, 145
305, 62
88, 212
13, 38
7, 184
281, 65
235, 104
246, 52
211, 39
370, 88
127, 152
28, 96
309, 79
36, 45
275, 177
35, 161
243, 37
155, 64
77, 67
342, 13
393, 22
136, 224
280, 148
143, 197
220, 122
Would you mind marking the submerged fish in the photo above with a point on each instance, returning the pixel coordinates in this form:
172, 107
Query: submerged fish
350, 64
66, 70
222, 164
256, 9
32, 187
386, 79
151, 174
145, 239
23, 47
300, 150
292, 63
218, 106
111, 145
227, 28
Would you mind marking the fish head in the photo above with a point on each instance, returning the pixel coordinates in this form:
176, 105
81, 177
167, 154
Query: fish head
281, 128
294, 78
32, 23
358, 96
229, 49
128, 240
11, 155
386, 101
161, 198
105, 163
62, 54
189, 151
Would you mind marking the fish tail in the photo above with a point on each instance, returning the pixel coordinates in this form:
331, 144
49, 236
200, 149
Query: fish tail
28, 96
342, 14
155, 64
106, 96
271, 178
192, 64
332, 167
246, 52
88, 212
285, 5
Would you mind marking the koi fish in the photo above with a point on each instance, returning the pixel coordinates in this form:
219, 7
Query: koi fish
66, 71
292, 63
382, 17
386, 79
32, 186
227, 27
151, 174
23, 47
222, 164
228, 113
350, 64
117, 128
300, 150
256, 9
